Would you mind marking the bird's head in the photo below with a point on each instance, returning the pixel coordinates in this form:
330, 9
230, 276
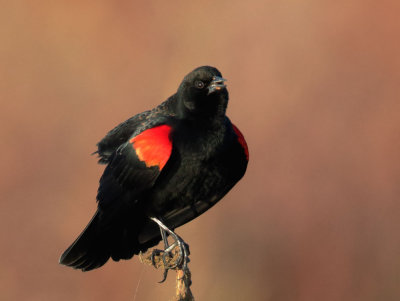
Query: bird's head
203, 93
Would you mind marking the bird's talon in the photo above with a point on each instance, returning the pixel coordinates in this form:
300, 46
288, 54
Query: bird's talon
164, 259
164, 275
155, 253
187, 248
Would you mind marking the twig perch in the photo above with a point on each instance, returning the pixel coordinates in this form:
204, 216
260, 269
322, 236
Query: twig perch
183, 276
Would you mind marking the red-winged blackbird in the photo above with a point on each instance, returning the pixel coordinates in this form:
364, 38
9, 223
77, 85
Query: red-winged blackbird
169, 164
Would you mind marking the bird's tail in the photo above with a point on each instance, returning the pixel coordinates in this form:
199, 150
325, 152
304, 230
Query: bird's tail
106, 236
89, 251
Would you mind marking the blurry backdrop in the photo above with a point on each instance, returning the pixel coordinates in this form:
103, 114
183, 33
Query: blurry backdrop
314, 87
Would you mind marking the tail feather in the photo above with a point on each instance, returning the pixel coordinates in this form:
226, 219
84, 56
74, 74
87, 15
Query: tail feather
88, 251
106, 237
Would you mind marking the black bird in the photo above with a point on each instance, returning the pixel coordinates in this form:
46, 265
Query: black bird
165, 167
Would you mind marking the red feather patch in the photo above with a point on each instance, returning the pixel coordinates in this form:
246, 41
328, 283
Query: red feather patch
153, 146
242, 141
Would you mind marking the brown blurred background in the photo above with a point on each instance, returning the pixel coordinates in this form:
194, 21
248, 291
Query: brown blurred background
314, 87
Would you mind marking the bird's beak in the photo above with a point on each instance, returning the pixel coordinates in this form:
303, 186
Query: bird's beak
216, 84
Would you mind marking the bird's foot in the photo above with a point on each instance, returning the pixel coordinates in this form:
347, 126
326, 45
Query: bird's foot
179, 259
156, 253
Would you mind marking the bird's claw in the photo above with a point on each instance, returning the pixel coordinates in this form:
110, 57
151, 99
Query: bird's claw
154, 253
165, 274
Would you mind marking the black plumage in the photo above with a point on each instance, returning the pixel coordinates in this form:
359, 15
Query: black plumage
173, 163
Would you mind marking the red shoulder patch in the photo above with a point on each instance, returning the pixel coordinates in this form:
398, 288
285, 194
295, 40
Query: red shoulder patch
242, 141
153, 146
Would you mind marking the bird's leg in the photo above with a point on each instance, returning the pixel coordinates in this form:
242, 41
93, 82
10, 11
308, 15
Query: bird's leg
164, 238
158, 252
183, 257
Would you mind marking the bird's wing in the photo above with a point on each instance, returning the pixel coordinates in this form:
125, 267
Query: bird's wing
132, 168
119, 135
241, 140
122, 132
135, 165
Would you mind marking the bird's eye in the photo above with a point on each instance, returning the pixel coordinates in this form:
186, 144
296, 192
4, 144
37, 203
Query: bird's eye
199, 84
